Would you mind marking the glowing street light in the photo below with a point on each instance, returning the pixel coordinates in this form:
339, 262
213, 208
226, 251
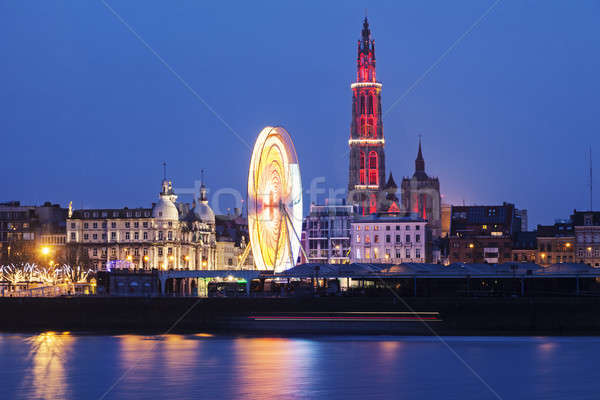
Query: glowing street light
45, 250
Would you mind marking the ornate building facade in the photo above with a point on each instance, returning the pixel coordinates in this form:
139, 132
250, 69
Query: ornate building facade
169, 235
367, 157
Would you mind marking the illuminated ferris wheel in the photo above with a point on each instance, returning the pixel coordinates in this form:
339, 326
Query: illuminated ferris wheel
274, 201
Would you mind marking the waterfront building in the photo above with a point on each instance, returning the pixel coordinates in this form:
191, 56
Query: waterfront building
366, 177
482, 234
166, 236
586, 225
326, 233
233, 241
388, 238
421, 196
32, 233
555, 243
524, 247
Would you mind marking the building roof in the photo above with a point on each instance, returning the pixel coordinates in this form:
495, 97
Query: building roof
423, 270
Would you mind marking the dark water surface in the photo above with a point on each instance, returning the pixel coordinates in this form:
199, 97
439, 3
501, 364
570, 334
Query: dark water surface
64, 366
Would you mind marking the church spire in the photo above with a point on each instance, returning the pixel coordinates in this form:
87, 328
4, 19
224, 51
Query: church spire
420, 161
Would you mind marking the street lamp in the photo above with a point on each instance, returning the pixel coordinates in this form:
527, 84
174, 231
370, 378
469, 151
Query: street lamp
45, 250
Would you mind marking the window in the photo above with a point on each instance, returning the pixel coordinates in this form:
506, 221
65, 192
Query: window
407, 238
72, 235
367, 252
136, 224
113, 225
113, 235
398, 253
170, 235
373, 168
104, 236
145, 224
95, 225
113, 252
136, 235
85, 236
170, 223
127, 224
376, 239
398, 239
160, 251
86, 225
376, 252
357, 238
115, 214
376, 228
588, 220
418, 227
170, 251
407, 253
362, 173
388, 239
417, 253
73, 225
136, 252
104, 225
95, 252
387, 227
104, 214
397, 227
95, 236
145, 235
127, 236
418, 239
367, 239
160, 235
408, 227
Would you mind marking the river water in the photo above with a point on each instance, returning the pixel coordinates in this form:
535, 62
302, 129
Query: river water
64, 366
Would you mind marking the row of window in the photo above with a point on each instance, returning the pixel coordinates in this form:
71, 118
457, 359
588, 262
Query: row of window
114, 214
374, 253
113, 225
388, 239
136, 252
387, 227
128, 236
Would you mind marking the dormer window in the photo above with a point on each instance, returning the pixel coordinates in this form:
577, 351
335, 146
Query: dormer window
587, 220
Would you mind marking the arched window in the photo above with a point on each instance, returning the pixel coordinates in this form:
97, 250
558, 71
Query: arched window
370, 104
373, 168
362, 104
370, 129
362, 166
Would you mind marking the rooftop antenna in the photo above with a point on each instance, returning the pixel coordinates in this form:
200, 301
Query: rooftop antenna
202, 176
164, 170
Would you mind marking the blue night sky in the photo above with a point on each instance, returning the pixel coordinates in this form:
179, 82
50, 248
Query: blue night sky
89, 113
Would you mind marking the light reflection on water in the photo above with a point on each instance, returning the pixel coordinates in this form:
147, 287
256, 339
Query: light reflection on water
63, 366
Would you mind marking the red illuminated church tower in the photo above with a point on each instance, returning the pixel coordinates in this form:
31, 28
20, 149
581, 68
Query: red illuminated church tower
367, 158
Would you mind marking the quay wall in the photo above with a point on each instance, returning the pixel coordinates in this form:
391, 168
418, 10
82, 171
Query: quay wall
458, 316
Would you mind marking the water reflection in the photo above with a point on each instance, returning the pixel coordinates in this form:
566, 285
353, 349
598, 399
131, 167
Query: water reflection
273, 368
48, 355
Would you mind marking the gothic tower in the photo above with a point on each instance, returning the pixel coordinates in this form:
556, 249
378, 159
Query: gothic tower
421, 195
367, 157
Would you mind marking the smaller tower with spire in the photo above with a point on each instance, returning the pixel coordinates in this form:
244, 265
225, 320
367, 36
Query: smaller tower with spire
421, 194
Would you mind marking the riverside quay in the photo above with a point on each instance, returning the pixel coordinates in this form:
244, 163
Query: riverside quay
409, 280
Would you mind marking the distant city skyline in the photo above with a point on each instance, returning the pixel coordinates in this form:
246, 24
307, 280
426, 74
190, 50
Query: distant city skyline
504, 96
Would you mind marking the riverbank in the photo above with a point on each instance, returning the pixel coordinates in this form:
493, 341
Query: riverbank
329, 315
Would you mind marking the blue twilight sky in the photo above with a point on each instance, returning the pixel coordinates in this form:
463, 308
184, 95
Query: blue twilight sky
88, 113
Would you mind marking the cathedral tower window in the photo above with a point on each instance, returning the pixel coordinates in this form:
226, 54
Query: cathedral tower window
362, 168
373, 164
